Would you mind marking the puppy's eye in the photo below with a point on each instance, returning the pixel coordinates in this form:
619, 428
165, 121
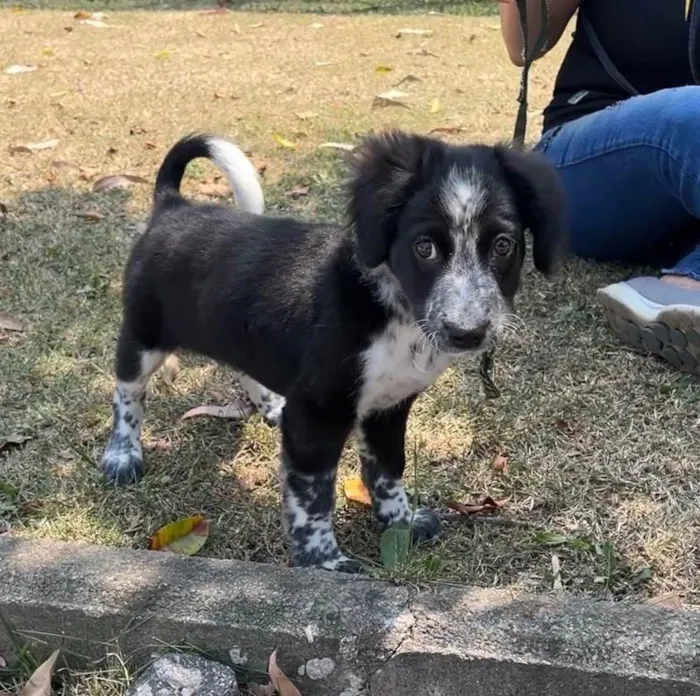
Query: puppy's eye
503, 246
426, 249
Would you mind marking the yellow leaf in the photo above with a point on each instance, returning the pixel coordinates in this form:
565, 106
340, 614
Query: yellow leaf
162, 55
283, 142
186, 536
383, 69
434, 106
356, 491
48, 51
279, 678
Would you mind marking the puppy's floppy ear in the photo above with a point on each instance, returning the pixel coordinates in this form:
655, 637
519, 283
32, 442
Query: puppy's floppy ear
387, 169
540, 200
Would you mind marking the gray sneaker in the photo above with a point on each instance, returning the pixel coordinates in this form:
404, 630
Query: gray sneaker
656, 317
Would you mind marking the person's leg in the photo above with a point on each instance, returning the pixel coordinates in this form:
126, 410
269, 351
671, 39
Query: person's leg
632, 177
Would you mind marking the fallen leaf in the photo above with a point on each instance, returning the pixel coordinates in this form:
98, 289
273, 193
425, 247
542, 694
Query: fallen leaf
421, 52
279, 679
91, 216
235, 411
668, 600
215, 190
82, 14
162, 55
260, 167
283, 142
186, 536
356, 491
409, 79
413, 32
488, 504
306, 115
448, 129
19, 69
218, 95
298, 191
48, 52
391, 98
556, 572
116, 181
383, 69
9, 323
568, 427
12, 441
395, 544
39, 683
88, 173
434, 106
347, 147
500, 463
34, 147
258, 690
201, 34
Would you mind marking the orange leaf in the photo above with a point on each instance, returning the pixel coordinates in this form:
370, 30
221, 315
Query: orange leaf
279, 678
356, 491
488, 504
186, 536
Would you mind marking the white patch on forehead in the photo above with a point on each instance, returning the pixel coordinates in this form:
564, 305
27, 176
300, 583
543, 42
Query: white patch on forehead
463, 196
399, 363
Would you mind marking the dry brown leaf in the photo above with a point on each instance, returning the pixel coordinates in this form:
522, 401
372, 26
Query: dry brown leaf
567, 427
488, 504
9, 323
34, 147
234, 411
82, 14
91, 216
413, 32
391, 98
39, 683
116, 181
450, 130
280, 680
668, 600
500, 463
19, 69
215, 190
298, 191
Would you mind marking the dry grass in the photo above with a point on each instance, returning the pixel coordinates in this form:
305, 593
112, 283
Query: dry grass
602, 444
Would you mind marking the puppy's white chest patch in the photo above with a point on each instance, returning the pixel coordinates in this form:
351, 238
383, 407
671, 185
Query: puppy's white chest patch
398, 364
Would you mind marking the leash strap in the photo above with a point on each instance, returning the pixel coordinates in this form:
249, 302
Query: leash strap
491, 391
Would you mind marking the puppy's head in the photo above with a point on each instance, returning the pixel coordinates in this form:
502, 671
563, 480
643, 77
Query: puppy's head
448, 223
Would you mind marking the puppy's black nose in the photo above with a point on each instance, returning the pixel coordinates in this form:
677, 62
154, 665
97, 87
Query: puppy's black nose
465, 338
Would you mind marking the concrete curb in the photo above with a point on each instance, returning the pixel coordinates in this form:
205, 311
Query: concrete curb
345, 633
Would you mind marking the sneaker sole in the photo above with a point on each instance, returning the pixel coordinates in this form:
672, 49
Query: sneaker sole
651, 328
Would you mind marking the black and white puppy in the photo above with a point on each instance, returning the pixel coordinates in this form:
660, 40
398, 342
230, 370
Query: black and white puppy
342, 326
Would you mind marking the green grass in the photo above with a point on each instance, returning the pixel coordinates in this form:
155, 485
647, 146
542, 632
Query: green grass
601, 443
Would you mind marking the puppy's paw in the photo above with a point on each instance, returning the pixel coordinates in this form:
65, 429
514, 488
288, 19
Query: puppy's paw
122, 464
343, 564
271, 409
426, 525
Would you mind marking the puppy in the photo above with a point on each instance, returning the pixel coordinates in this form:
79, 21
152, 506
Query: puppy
338, 327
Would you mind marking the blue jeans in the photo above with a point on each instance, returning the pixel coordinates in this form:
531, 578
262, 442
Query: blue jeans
632, 177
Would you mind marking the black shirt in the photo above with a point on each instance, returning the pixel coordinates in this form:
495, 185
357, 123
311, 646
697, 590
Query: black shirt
650, 42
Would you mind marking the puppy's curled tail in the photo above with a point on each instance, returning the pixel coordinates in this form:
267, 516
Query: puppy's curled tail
239, 171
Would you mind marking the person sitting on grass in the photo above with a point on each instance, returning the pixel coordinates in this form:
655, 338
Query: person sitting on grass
623, 130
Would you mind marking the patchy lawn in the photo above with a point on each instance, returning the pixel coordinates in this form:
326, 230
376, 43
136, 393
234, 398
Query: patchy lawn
598, 446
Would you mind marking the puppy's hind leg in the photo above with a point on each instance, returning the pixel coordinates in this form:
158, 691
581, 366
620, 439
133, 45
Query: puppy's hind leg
268, 404
122, 461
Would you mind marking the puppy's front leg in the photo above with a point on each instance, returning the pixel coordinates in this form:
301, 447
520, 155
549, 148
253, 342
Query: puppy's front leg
381, 443
312, 441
